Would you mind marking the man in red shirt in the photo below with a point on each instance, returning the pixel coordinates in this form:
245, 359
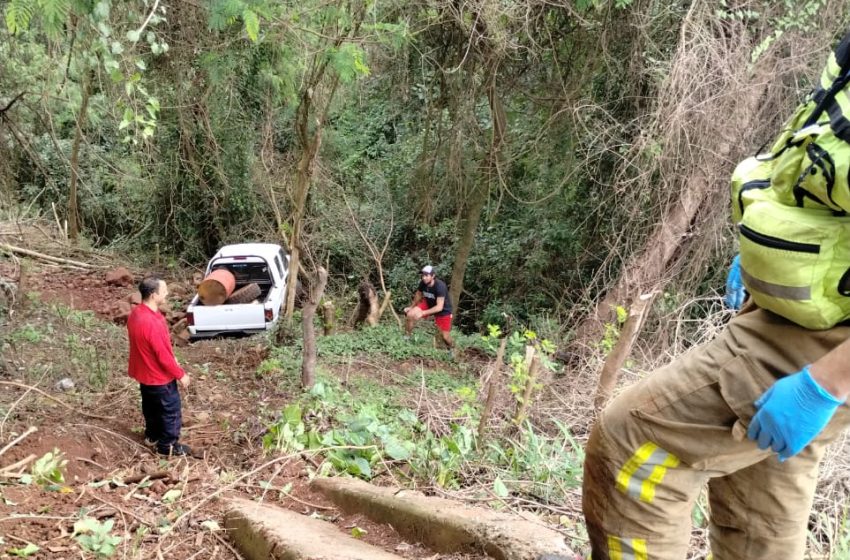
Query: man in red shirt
153, 365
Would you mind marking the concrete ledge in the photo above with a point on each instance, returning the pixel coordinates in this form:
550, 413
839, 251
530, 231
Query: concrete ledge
446, 525
265, 532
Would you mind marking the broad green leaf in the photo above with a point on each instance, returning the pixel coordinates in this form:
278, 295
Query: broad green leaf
361, 467
396, 450
86, 525
133, 35
292, 414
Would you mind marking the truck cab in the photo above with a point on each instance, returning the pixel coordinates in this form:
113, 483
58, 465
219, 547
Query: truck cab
264, 264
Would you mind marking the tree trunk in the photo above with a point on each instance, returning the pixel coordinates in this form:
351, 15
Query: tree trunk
368, 309
385, 304
310, 144
611, 369
73, 207
645, 271
308, 313
492, 389
699, 150
480, 193
303, 177
328, 318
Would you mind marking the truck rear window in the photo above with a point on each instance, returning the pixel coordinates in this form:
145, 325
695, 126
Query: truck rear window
247, 273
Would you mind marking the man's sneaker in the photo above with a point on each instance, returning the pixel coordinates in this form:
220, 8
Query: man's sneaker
178, 449
149, 443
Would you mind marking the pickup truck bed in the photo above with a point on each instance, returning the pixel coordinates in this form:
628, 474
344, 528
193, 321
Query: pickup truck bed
263, 264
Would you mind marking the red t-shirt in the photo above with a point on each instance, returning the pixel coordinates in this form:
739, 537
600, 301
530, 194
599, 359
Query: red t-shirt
152, 359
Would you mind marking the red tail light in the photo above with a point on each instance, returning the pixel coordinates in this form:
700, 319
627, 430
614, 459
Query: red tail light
190, 319
269, 315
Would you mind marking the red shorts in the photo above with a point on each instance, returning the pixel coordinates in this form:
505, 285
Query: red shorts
443, 322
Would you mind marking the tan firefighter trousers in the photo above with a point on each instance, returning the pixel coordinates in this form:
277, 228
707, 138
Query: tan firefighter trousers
656, 445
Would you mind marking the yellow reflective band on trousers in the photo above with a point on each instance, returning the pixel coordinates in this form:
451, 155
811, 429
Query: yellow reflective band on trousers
644, 471
626, 549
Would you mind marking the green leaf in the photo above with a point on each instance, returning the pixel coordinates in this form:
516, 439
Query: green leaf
252, 24
28, 550
361, 467
357, 532
133, 35
54, 13
171, 496
86, 525
396, 450
499, 488
18, 15
292, 414
622, 314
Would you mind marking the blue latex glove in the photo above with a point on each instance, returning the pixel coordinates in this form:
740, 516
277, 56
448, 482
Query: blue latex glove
735, 292
791, 414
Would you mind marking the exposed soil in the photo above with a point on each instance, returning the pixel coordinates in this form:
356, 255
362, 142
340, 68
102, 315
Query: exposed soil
225, 414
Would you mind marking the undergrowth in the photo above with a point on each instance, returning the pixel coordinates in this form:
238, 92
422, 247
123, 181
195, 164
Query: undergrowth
420, 427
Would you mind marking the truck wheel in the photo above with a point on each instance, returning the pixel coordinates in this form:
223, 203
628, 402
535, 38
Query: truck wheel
245, 294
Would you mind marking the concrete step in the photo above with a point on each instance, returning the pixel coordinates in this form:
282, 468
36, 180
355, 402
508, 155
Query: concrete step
266, 532
447, 525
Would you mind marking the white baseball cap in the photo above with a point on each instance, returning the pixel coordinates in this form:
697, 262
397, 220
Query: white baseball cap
427, 269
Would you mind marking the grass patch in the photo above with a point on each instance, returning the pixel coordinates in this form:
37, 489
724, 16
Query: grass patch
65, 342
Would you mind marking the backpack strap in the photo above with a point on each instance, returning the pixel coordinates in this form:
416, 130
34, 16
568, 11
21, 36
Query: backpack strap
824, 98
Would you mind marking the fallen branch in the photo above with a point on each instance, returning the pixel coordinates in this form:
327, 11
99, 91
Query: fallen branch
54, 399
14, 442
9, 470
48, 258
122, 510
153, 476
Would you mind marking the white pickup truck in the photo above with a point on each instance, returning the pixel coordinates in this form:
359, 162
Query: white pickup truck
264, 264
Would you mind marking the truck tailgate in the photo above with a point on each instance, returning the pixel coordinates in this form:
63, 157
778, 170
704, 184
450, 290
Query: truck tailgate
247, 316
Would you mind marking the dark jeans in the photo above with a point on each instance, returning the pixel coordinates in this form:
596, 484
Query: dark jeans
163, 418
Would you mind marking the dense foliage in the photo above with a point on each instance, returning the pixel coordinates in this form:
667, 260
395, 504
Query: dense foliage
494, 140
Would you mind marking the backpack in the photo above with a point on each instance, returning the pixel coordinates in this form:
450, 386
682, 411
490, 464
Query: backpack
791, 207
